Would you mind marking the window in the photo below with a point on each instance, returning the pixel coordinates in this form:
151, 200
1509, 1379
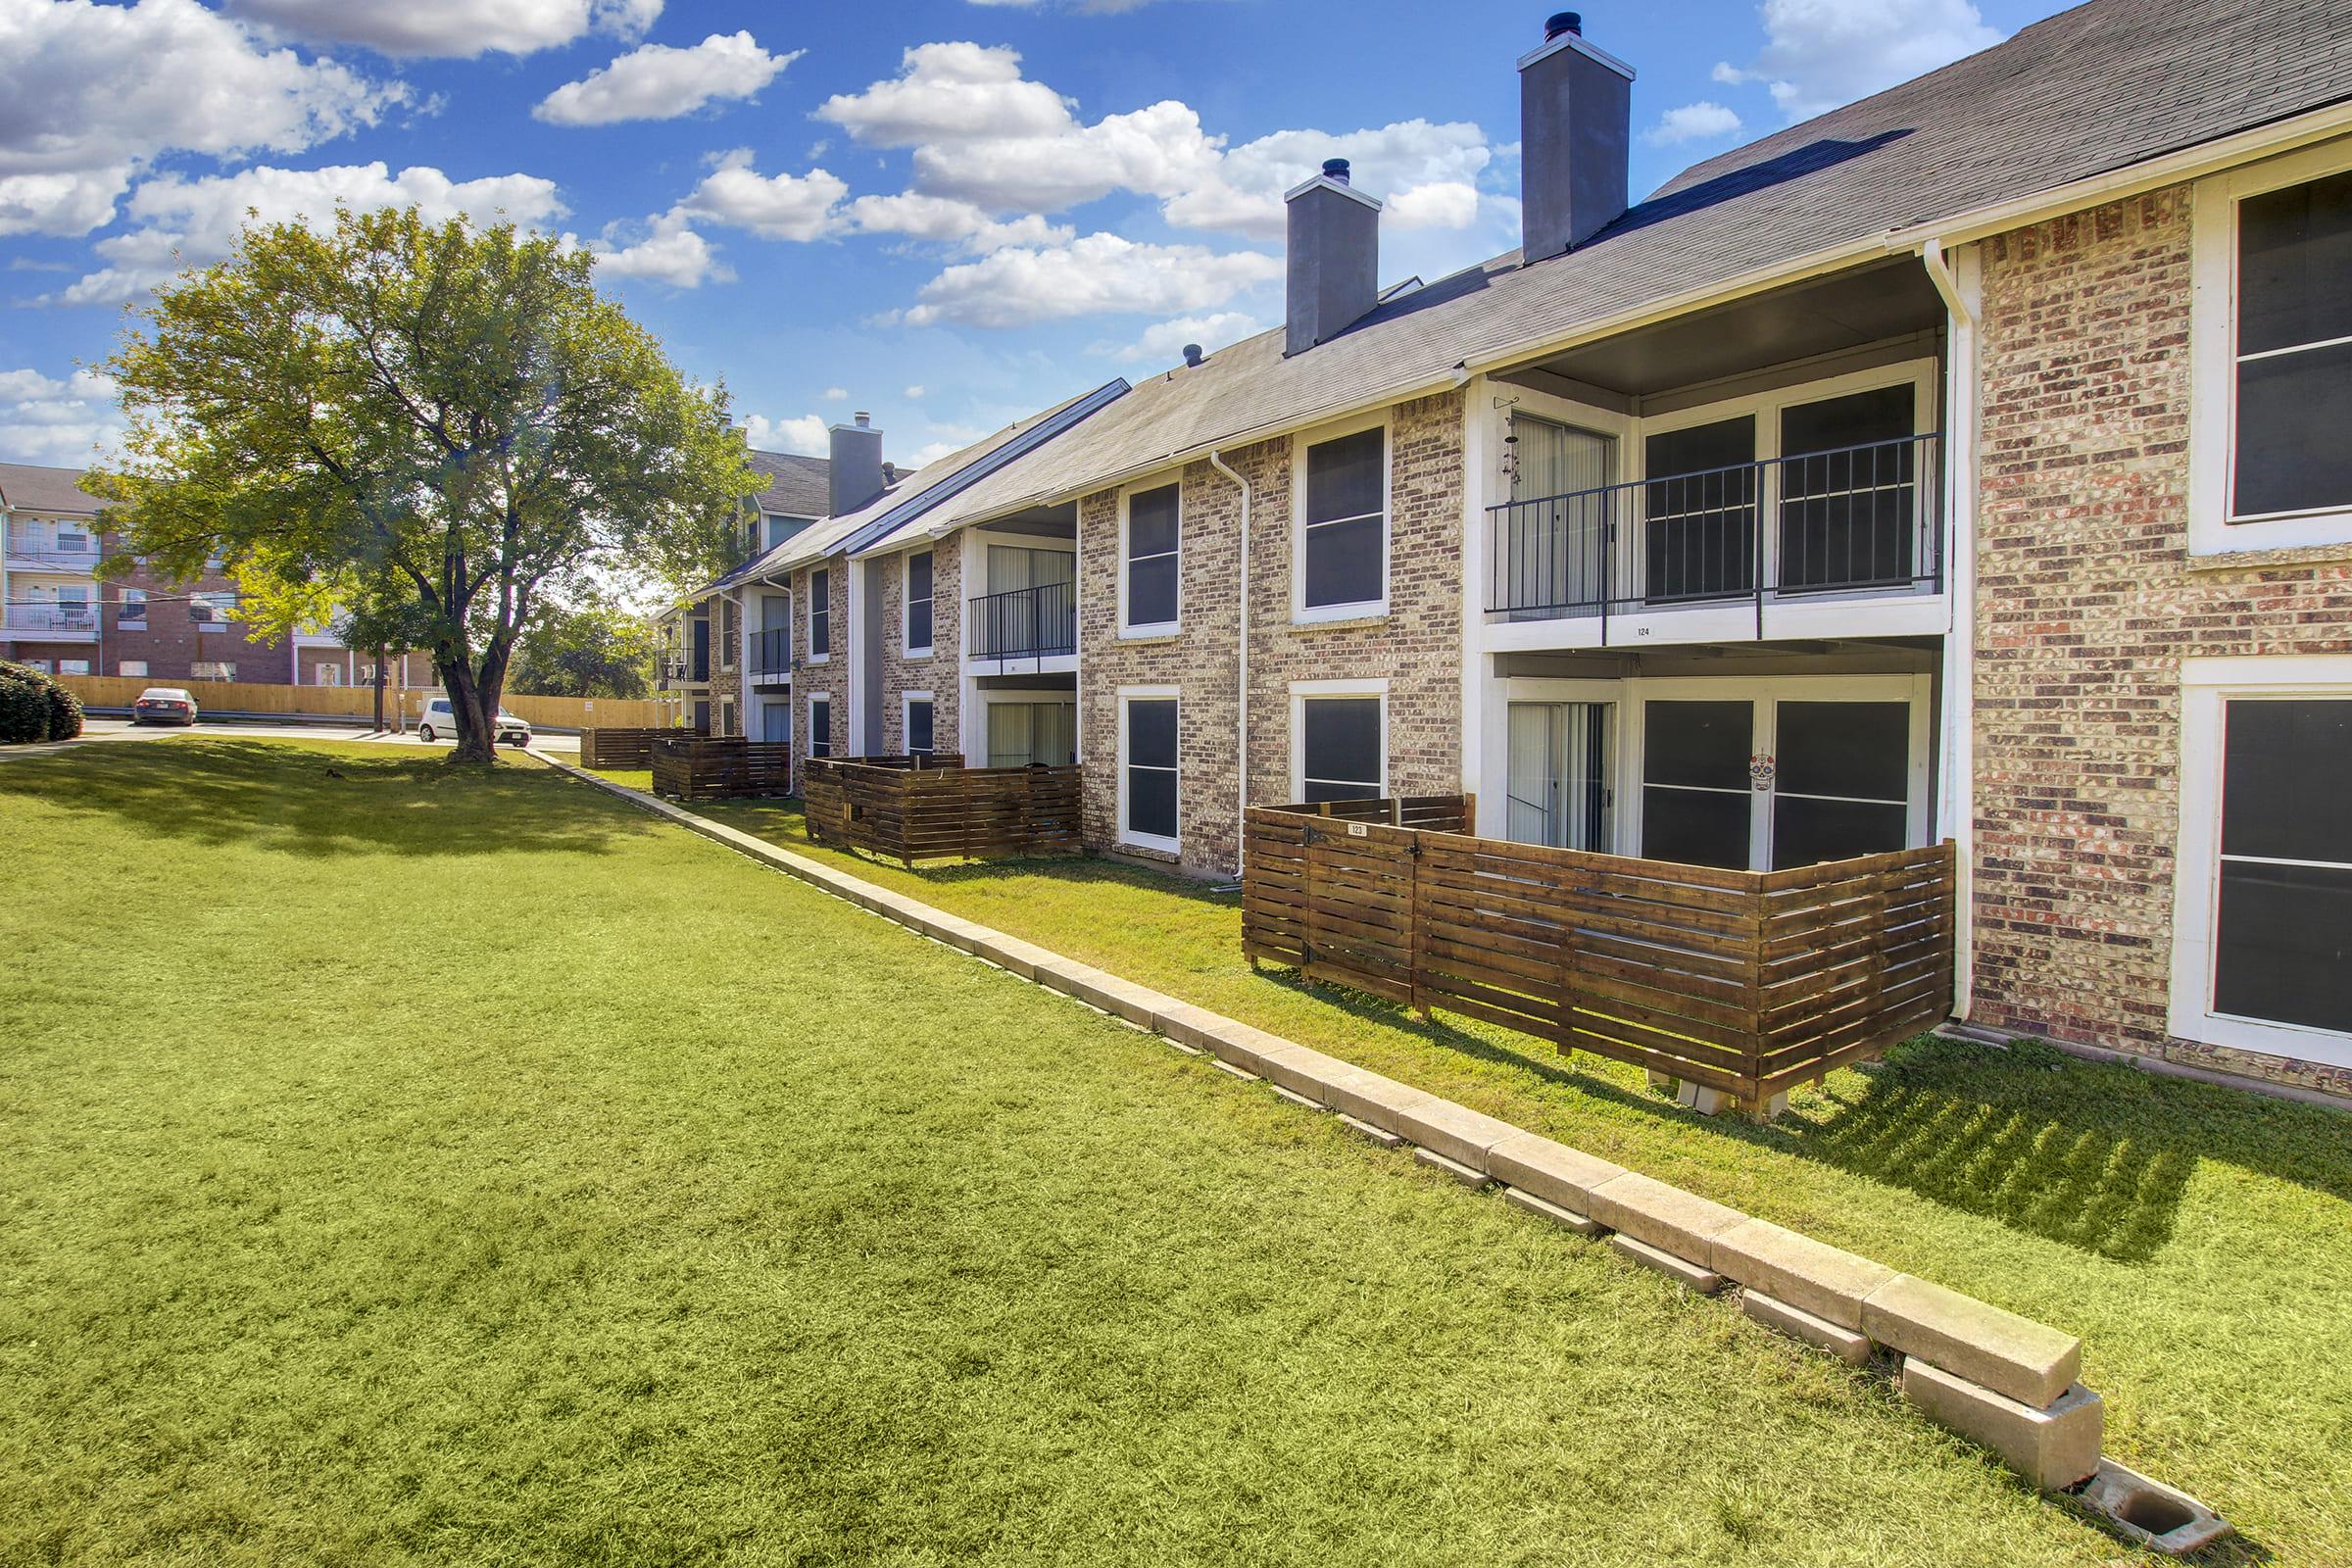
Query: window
820, 616
73, 666
918, 604
1344, 527
212, 670
323, 673
1031, 608
2262, 953
1148, 587
775, 723
917, 728
134, 616
1032, 734
211, 611
131, 669
727, 715
729, 634
1340, 742
1148, 805
820, 726
40, 664
2271, 350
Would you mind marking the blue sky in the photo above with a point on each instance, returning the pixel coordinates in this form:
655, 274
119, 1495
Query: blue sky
948, 212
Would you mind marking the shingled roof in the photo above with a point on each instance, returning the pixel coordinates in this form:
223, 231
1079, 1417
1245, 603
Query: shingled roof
34, 487
797, 486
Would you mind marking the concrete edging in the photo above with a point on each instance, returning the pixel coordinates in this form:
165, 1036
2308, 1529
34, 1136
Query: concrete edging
2005, 1382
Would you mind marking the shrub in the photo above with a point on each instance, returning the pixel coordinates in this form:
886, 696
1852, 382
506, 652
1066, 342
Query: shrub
65, 713
34, 708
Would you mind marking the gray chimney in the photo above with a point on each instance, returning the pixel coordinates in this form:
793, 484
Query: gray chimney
1575, 119
855, 475
1334, 260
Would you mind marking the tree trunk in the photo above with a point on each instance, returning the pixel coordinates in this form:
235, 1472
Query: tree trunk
379, 691
476, 714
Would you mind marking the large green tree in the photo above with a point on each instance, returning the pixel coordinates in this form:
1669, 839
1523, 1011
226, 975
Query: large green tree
450, 408
586, 651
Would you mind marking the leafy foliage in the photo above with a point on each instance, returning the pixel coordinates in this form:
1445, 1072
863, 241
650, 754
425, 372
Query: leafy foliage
588, 650
34, 708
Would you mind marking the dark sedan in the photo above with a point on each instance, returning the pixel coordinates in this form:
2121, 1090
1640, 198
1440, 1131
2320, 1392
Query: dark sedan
164, 704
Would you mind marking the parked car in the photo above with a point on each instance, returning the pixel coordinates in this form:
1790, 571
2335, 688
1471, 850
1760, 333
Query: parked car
164, 704
440, 720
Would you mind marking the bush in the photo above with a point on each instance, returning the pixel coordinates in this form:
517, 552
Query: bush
34, 708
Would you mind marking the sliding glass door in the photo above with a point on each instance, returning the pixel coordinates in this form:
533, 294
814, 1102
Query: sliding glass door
1560, 774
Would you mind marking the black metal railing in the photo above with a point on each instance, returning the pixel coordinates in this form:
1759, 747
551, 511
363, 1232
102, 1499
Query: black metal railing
771, 651
1853, 519
1027, 622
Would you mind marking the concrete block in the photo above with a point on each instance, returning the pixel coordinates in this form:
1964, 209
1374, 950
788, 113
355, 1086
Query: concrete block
1246, 1045
1810, 1275
2028, 1361
1097, 989
1181, 1021
1554, 1172
1457, 1132
1468, 1176
1849, 1345
1566, 1218
1228, 1069
1700, 1098
1369, 1096
2052, 1446
1295, 1098
1021, 957
1653, 1213
2148, 1513
1661, 1080
1365, 1130
1683, 1272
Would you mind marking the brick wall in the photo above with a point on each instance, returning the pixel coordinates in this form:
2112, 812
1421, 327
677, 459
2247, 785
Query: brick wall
832, 677
2087, 603
726, 664
939, 674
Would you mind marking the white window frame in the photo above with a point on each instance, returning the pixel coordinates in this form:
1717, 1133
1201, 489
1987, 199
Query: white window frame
1157, 628
1123, 834
820, 603
131, 669
1361, 610
908, 649
906, 701
2207, 685
2213, 364
823, 699
133, 608
212, 599
62, 670
1303, 692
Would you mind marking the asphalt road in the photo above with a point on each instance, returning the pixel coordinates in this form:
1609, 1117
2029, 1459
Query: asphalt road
96, 730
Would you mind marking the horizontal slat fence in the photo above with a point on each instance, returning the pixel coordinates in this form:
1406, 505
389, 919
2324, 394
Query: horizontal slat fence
935, 808
624, 748
1745, 981
720, 767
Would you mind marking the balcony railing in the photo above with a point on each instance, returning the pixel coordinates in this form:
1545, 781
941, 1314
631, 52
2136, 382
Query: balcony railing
78, 620
679, 669
1027, 622
1855, 520
771, 651
56, 555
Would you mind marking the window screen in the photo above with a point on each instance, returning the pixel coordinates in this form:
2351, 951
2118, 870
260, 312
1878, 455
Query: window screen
820, 728
2294, 366
918, 600
918, 727
821, 614
1696, 794
1700, 511
2282, 940
1847, 490
1153, 527
1346, 521
1152, 767
1339, 747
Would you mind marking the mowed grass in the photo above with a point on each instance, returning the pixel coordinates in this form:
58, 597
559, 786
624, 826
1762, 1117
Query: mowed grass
419, 1167
2199, 1239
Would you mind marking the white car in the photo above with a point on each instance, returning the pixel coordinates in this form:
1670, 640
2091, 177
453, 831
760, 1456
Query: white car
440, 720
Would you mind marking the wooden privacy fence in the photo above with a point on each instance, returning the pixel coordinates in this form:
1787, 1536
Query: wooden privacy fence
929, 807
1749, 982
352, 701
624, 748
688, 767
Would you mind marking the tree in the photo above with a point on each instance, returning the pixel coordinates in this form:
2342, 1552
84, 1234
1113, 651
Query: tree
455, 412
589, 650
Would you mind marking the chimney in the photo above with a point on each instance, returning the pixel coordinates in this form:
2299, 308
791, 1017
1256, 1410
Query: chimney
1333, 257
1575, 119
855, 475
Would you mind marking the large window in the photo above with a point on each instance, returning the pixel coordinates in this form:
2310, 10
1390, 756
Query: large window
133, 616
1147, 775
1341, 749
1343, 525
1149, 587
918, 604
820, 616
131, 669
212, 670
730, 622
211, 612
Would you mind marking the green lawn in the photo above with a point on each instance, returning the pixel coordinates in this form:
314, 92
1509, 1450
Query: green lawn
406, 1166
2198, 1239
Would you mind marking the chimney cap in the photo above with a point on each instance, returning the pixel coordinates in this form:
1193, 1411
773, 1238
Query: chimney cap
863, 418
1560, 21
1193, 354
1336, 169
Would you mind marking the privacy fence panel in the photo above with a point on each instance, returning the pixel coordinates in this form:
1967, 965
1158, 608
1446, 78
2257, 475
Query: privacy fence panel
935, 808
1747, 982
618, 749
720, 767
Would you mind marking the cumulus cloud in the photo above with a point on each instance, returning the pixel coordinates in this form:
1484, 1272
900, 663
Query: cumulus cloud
1097, 273
86, 105
1162, 343
1426, 173
1699, 121
946, 221
452, 29
914, 394
837, 394
1819, 54
806, 434
193, 223
70, 422
655, 82
795, 207
669, 252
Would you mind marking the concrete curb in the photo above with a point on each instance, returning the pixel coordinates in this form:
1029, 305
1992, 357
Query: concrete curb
2004, 1382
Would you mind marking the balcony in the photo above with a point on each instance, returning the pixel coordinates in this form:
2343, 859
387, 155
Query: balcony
57, 623
1034, 626
73, 553
677, 672
1843, 542
772, 657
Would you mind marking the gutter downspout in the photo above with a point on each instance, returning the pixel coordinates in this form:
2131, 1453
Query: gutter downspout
1957, 786
1240, 815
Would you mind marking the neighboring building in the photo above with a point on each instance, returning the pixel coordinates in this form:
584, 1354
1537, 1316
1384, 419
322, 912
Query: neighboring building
60, 616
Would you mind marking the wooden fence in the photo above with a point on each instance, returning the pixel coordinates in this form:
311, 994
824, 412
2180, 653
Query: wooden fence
624, 748
930, 807
1749, 982
689, 766
352, 701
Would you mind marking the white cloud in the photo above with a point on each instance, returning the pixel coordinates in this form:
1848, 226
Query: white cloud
1699, 121
1399, 163
914, 394
1100, 272
90, 94
1819, 54
837, 394
458, 28
43, 420
1441, 204
946, 221
798, 207
1162, 343
806, 434
656, 81
950, 90
670, 253
192, 222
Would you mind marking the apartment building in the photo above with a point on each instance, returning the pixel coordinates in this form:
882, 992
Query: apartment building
58, 616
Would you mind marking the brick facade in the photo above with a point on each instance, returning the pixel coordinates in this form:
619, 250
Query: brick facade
832, 677
2087, 601
939, 674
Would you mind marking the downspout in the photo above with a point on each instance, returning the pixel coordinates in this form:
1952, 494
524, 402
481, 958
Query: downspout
1241, 814
1958, 782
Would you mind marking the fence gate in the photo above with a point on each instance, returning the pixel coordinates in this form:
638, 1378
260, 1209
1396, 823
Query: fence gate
1359, 905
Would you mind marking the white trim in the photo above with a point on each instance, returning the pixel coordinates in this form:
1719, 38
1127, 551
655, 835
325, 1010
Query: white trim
816, 600
1955, 793
1303, 692
1576, 41
2207, 685
832, 740
2214, 361
1120, 832
908, 650
1159, 628
1326, 182
1384, 421
906, 701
